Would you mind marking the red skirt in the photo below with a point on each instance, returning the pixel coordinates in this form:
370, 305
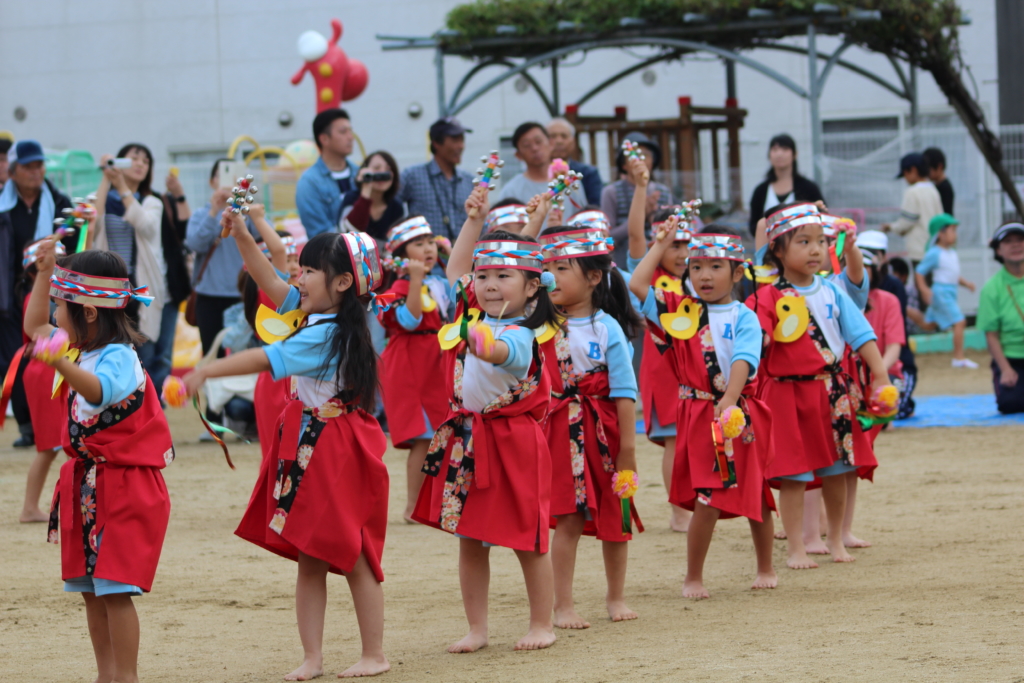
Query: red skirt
593, 487
658, 388
270, 398
336, 492
694, 466
47, 413
413, 383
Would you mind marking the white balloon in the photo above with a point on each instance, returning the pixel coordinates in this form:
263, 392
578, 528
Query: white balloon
312, 46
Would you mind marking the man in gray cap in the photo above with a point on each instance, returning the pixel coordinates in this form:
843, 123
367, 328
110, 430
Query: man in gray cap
438, 189
921, 201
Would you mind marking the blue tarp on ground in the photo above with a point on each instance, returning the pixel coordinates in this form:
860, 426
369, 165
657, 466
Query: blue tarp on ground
971, 410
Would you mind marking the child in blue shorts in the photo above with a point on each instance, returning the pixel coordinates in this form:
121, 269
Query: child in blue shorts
942, 262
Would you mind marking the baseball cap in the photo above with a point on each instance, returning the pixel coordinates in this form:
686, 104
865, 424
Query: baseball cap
939, 222
1003, 232
912, 160
874, 240
25, 152
448, 127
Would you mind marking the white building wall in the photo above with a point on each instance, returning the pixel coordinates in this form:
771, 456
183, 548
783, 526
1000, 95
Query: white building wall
194, 74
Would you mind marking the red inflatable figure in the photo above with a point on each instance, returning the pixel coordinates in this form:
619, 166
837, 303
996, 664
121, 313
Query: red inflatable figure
337, 77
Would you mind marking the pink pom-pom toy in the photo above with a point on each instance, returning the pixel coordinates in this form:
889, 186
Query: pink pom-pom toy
733, 421
51, 349
556, 168
481, 337
174, 393
884, 401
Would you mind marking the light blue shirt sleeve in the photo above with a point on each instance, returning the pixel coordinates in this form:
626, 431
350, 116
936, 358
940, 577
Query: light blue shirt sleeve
405, 318
621, 379
304, 354
520, 350
858, 293
930, 261
116, 372
649, 308
746, 343
852, 323
291, 302
759, 255
632, 263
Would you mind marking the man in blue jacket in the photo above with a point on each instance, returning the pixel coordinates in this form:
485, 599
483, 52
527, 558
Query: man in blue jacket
320, 189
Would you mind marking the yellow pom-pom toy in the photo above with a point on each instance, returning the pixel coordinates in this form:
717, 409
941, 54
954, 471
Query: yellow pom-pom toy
625, 483
174, 393
481, 337
884, 401
50, 349
733, 421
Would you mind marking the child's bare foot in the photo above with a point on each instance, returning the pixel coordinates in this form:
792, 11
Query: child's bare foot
537, 639
851, 541
765, 580
680, 519
815, 547
367, 666
617, 611
780, 534
307, 672
568, 618
840, 555
695, 589
30, 516
407, 515
472, 642
801, 561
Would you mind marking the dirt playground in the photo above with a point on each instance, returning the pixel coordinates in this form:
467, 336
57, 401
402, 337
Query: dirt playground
940, 596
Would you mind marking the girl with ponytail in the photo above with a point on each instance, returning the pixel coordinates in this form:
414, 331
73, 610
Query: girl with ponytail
591, 430
488, 465
322, 494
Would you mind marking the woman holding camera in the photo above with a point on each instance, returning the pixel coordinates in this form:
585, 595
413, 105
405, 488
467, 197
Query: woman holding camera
373, 208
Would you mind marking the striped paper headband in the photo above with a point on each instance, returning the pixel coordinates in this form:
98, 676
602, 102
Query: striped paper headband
29, 255
791, 218
510, 254
101, 292
407, 231
365, 261
510, 214
289, 246
592, 220
575, 244
830, 225
717, 246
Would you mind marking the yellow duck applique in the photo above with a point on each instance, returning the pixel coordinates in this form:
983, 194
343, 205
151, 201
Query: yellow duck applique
451, 334
428, 301
272, 326
684, 322
793, 318
669, 284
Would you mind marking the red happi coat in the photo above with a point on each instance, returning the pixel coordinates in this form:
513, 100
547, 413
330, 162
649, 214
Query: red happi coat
489, 474
269, 401
412, 372
43, 406
814, 420
337, 465
582, 431
696, 475
655, 389
112, 486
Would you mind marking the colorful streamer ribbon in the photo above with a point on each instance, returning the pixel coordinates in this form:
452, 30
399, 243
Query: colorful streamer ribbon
216, 430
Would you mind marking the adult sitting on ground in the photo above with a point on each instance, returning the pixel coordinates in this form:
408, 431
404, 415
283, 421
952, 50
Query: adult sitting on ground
321, 188
617, 197
438, 189
1001, 317
373, 208
783, 184
563, 146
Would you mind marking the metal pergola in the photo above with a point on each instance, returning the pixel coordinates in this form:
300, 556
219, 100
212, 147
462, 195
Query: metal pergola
517, 55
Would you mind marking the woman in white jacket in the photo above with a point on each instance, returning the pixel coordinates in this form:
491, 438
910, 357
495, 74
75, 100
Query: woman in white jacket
128, 223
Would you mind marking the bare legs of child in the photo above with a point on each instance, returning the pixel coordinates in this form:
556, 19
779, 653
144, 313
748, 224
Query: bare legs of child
311, 605
698, 542
833, 491
813, 512
37, 471
563, 561
414, 476
475, 579
849, 540
680, 519
114, 631
791, 507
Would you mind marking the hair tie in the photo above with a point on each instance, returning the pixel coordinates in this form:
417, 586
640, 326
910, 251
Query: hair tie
379, 303
547, 278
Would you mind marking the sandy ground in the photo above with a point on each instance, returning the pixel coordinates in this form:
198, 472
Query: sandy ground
937, 598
